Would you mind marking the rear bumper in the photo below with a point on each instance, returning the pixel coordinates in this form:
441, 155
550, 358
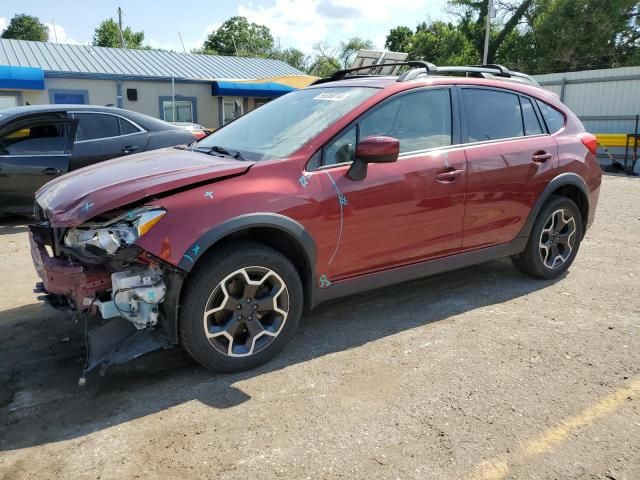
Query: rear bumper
61, 277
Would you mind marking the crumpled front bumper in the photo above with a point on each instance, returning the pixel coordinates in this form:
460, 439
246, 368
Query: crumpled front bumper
61, 277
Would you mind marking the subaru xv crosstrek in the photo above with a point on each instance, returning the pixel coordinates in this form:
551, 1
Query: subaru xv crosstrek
354, 183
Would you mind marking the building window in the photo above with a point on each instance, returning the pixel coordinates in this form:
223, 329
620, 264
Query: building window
74, 97
231, 109
183, 111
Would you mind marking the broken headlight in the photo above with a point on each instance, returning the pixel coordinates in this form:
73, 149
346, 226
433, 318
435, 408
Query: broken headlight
115, 234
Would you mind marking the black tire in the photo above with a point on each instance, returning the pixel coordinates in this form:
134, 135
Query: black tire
204, 286
535, 259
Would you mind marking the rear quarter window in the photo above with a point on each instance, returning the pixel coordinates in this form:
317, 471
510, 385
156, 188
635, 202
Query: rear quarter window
552, 117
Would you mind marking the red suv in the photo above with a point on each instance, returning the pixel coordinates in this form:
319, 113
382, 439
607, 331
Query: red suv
354, 183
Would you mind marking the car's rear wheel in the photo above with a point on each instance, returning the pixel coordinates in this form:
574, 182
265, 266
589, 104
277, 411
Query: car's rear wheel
554, 240
241, 305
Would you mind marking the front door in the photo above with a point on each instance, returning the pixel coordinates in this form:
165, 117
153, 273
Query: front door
401, 213
510, 159
32, 152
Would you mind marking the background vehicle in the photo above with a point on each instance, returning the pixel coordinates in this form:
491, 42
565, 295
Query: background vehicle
38, 143
196, 129
348, 185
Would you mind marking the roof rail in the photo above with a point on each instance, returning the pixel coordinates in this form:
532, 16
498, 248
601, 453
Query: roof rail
485, 71
342, 74
422, 68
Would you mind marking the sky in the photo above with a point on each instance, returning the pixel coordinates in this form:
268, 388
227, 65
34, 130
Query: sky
293, 23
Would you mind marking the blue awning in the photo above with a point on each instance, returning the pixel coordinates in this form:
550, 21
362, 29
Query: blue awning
242, 89
21, 78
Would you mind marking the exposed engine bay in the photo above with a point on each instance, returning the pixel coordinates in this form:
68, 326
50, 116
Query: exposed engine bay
97, 271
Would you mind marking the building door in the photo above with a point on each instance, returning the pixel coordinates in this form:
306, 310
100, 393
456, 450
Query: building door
8, 100
231, 109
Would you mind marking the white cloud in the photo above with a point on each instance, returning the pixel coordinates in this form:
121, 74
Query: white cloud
3, 23
58, 34
303, 23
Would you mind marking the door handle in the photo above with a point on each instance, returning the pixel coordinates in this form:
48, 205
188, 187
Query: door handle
51, 171
128, 149
541, 157
448, 176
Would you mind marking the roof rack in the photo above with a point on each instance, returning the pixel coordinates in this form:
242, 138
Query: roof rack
422, 68
342, 74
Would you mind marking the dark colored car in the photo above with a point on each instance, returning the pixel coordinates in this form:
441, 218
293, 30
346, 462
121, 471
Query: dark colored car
348, 185
38, 143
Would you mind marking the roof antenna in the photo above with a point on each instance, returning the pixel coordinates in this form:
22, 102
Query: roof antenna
184, 49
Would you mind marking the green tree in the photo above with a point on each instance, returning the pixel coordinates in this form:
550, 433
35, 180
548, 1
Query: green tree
294, 57
574, 35
26, 27
107, 34
350, 48
473, 17
443, 44
238, 37
324, 66
400, 39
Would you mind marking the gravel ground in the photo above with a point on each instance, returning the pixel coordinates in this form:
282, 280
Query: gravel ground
480, 373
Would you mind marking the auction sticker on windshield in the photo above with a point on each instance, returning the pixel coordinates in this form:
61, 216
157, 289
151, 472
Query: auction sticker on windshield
332, 96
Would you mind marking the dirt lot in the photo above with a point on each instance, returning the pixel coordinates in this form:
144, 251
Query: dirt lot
479, 373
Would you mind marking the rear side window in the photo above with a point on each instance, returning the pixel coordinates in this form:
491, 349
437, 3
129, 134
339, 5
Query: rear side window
92, 126
127, 127
531, 123
552, 117
491, 115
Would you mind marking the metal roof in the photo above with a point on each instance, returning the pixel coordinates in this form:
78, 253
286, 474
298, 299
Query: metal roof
59, 59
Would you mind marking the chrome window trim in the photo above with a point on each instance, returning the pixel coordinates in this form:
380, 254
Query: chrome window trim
94, 112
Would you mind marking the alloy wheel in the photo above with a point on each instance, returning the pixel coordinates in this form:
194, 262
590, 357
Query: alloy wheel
246, 311
557, 238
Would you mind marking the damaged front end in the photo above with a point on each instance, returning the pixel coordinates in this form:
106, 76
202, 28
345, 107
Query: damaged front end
97, 270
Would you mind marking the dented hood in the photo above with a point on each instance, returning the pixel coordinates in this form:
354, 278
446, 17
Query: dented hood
82, 194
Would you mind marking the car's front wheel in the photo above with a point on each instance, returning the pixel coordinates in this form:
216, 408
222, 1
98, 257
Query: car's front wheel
554, 240
241, 305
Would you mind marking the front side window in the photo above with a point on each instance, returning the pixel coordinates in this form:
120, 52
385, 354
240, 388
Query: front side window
92, 126
419, 120
181, 111
491, 114
41, 139
285, 124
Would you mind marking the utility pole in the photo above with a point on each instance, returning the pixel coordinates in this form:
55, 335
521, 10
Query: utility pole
487, 32
55, 30
183, 49
120, 28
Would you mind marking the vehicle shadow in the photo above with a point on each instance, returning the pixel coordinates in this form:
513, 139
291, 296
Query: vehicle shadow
12, 225
41, 356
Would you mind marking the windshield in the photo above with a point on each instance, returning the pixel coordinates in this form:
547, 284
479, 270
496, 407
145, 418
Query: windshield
280, 127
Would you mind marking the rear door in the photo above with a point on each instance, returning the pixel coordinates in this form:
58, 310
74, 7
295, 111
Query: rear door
510, 159
102, 136
33, 150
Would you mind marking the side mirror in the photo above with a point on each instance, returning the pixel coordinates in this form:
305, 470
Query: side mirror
374, 149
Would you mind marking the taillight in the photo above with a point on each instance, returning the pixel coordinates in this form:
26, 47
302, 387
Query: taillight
590, 141
199, 135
